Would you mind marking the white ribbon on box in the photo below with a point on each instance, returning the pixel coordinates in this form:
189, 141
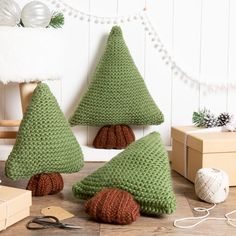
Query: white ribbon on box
204, 130
6, 217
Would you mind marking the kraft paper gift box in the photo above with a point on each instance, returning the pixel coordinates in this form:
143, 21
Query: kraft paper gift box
194, 148
14, 205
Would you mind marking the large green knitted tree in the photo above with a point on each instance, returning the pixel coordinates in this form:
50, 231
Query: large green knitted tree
45, 142
142, 169
117, 94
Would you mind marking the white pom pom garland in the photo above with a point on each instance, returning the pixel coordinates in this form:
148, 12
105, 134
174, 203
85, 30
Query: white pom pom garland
212, 185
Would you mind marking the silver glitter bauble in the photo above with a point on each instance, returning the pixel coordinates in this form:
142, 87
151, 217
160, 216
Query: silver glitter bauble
36, 14
9, 13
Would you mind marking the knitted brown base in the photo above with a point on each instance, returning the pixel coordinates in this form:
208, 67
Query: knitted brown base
114, 136
113, 205
45, 184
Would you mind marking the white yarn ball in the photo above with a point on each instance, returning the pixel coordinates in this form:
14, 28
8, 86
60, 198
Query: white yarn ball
212, 185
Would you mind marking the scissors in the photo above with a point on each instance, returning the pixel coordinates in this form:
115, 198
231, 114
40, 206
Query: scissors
45, 222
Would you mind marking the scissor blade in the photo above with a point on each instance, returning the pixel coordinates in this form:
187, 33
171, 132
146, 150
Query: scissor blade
72, 226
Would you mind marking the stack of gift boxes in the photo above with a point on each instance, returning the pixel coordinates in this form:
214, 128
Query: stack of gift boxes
194, 148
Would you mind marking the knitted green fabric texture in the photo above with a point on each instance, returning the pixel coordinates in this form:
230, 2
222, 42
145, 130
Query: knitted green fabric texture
45, 142
142, 169
117, 93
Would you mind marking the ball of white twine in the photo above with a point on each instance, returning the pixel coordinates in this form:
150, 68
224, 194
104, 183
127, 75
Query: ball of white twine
212, 185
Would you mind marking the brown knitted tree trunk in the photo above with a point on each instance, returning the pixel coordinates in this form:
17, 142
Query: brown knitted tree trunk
45, 184
114, 136
112, 205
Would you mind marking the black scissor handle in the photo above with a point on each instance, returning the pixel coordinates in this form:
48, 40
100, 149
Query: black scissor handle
39, 223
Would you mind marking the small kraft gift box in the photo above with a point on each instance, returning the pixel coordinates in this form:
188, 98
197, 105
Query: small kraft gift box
14, 205
194, 148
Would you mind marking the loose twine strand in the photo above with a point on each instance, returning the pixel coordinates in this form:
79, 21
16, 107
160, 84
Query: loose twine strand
204, 218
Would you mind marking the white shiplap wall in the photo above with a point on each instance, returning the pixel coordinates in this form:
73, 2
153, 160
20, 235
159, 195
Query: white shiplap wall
199, 34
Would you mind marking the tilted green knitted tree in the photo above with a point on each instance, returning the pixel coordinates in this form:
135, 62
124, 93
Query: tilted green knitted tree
142, 169
116, 97
44, 144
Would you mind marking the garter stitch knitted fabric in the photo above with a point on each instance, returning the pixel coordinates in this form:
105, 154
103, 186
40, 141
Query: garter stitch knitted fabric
142, 169
45, 142
117, 93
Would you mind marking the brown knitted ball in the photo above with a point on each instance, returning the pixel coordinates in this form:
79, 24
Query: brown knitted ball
113, 205
45, 184
114, 136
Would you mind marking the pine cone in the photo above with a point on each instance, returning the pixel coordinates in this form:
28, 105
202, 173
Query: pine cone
209, 121
204, 118
224, 118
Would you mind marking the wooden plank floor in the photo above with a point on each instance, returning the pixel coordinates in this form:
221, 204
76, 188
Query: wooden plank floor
144, 226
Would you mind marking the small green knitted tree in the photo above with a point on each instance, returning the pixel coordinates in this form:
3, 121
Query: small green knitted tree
117, 95
142, 169
45, 142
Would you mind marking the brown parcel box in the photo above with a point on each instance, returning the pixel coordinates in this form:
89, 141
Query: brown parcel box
203, 149
14, 205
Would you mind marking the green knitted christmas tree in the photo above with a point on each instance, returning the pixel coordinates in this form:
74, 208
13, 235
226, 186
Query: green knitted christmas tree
45, 142
117, 95
142, 169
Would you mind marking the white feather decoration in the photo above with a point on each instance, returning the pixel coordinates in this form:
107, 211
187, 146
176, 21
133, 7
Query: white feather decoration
30, 54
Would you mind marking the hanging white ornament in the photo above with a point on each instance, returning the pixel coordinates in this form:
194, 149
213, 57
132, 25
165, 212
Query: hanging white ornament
36, 14
9, 13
